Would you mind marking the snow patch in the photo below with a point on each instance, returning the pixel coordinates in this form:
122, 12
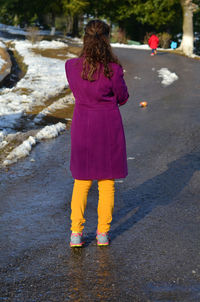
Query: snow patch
2, 62
2, 134
167, 76
50, 131
25, 148
12, 29
20, 151
137, 78
3, 142
78, 40
2, 45
143, 46
50, 44
44, 79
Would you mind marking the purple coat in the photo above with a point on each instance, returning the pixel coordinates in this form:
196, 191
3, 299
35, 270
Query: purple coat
98, 148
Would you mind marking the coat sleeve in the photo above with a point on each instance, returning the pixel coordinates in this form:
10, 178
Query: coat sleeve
119, 86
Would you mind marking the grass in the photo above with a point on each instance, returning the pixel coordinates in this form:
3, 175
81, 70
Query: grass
38, 108
60, 115
76, 50
60, 53
23, 91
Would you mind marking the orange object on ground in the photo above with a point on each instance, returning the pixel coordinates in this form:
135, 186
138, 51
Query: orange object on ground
143, 104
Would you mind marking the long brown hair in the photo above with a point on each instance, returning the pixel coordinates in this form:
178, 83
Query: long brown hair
97, 50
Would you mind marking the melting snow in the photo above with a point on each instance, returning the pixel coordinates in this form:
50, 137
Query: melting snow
50, 131
45, 78
12, 29
2, 62
167, 76
3, 142
20, 151
50, 44
143, 46
25, 148
2, 45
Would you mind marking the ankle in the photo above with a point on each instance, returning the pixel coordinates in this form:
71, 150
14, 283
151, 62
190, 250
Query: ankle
77, 232
102, 232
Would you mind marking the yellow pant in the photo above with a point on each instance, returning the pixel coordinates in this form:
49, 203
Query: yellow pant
105, 205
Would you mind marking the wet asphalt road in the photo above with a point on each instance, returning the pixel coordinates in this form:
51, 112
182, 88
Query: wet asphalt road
155, 249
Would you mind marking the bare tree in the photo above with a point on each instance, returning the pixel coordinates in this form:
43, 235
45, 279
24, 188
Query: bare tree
187, 43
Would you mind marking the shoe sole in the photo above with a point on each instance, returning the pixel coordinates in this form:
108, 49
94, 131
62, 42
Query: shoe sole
102, 244
76, 245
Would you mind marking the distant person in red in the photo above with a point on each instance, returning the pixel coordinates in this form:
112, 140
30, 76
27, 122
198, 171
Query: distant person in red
153, 43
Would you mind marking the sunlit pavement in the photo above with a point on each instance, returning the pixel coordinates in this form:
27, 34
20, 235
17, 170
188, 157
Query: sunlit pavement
155, 235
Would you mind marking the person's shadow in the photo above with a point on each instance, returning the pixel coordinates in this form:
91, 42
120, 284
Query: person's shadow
160, 190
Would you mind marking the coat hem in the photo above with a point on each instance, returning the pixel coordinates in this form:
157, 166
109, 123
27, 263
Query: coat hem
98, 178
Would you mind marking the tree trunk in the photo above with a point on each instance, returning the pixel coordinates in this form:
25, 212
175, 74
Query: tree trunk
53, 28
75, 30
16, 20
121, 34
69, 24
187, 43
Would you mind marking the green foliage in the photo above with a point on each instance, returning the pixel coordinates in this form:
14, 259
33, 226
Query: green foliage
133, 16
26, 11
156, 12
75, 7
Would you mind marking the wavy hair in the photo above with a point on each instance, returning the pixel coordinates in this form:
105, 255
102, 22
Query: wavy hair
97, 51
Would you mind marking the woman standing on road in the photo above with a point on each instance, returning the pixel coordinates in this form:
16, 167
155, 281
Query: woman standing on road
98, 149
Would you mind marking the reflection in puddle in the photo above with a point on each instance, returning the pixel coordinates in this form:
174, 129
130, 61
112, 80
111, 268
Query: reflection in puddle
91, 275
